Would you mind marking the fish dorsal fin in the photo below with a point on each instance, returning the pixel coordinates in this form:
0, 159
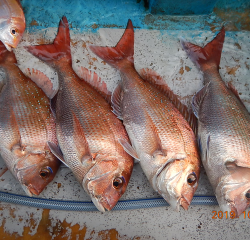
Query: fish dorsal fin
95, 81
151, 76
124, 49
211, 53
58, 49
128, 148
57, 152
198, 98
116, 101
41, 81
235, 92
53, 104
80, 140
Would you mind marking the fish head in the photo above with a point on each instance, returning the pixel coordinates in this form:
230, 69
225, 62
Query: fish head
106, 182
177, 182
233, 190
12, 32
35, 170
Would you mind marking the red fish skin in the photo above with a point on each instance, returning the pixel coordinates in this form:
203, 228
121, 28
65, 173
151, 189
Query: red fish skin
26, 124
162, 138
87, 130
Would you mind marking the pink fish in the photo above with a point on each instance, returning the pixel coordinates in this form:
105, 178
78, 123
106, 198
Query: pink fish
87, 130
162, 140
223, 129
26, 124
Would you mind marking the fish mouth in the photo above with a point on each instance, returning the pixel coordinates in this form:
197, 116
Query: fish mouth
30, 190
183, 202
231, 209
27, 190
234, 210
100, 205
33, 190
8, 47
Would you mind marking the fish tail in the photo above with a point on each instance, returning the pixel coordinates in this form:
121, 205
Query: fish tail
206, 56
60, 48
124, 49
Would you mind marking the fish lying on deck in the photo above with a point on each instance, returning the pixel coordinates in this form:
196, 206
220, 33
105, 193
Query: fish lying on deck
162, 140
223, 129
12, 23
87, 130
26, 124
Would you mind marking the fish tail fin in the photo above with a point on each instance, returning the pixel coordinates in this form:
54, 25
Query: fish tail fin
208, 55
58, 49
124, 49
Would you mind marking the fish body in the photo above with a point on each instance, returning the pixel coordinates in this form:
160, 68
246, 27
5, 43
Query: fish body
26, 124
223, 129
163, 141
87, 130
12, 23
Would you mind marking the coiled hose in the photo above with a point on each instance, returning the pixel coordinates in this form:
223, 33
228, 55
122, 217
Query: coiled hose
89, 206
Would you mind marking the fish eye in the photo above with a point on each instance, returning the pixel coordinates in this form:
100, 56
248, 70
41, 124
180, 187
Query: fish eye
247, 195
117, 183
191, 179
45, 172
13, 31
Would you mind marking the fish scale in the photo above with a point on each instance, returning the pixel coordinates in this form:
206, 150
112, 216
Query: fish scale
28, 115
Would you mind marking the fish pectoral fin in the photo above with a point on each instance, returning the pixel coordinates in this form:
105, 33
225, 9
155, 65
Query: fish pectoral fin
53, 105
57, 152
41, 81
79, 137
95, 81
129, 149
116, 101
232, 164
3, 78
198, 98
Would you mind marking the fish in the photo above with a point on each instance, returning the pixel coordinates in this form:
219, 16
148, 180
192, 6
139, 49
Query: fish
87, 130
162, 140
223, 129
12, 23
26, 125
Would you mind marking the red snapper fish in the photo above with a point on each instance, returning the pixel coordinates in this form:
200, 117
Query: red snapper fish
12, 23
87, 130
223, 129
162, 140
26, 124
